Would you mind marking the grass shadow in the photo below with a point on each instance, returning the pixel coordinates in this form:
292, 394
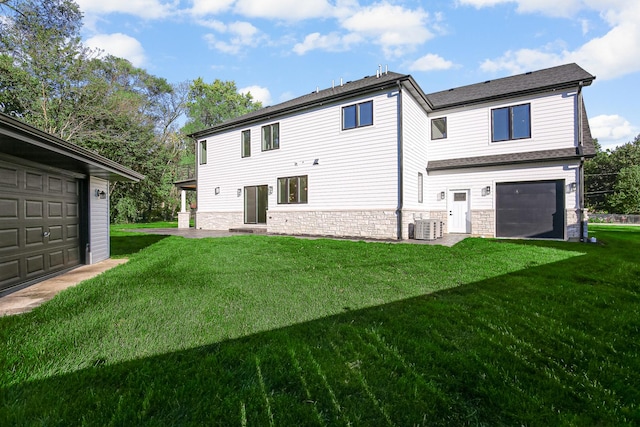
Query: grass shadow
123, 245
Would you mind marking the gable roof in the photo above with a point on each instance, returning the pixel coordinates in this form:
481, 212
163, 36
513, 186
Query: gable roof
21, 140
554, 78
321, 97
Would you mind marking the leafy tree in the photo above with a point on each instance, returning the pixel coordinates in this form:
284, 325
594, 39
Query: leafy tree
626, 198
50, 80
602, 174
43, 64
212, 104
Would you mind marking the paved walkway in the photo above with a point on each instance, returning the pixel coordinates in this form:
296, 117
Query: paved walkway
192, 233
29, 298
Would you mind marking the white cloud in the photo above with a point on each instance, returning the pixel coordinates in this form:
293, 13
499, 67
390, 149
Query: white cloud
333, 42
242, 34
547, 7
258, 93
431, 62
393, 27
612, 130
209, 7
120, 45
611, 55
147, 9
284, 10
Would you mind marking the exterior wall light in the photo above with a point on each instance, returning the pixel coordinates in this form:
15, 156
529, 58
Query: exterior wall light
572, 187
486, 191
100, 194
270, 189
239, 192
217, 190
441, 195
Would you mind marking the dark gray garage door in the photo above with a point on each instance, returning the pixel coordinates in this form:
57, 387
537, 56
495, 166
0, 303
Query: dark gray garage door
39, 223
530, 209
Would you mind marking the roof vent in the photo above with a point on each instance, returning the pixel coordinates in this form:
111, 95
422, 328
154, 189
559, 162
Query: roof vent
528, 72
488, 81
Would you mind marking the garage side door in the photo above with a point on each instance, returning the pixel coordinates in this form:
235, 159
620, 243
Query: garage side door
39, 223
534, 209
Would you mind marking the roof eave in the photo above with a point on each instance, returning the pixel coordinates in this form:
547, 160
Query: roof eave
20, 131
516, 94
268, 115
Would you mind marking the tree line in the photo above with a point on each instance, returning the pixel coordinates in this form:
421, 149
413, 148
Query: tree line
51, 81
612, 179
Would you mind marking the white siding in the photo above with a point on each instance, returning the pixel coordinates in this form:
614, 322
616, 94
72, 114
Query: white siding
477, 179
469, 129
357, 168
98, 221
415, 135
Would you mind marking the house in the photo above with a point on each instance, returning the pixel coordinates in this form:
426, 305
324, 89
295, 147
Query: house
370, 157
54, 204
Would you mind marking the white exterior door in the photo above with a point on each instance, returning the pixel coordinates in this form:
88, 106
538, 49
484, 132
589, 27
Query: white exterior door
459, 221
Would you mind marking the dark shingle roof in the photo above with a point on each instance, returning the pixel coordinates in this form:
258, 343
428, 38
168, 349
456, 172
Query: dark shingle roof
563, 76
571, 153
312, 99
568, 75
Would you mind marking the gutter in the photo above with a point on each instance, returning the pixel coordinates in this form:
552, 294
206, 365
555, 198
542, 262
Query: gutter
581, 216
400, 164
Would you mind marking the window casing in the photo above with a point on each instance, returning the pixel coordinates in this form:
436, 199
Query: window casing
271, 137
292, 190
246, 143
439, 128
357, 115
203, 152
509, 123
420, 188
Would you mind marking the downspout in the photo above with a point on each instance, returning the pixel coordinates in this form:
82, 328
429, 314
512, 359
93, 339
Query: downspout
581, 218
400, 164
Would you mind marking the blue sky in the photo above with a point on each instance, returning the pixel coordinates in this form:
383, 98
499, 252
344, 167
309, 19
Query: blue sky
281, 49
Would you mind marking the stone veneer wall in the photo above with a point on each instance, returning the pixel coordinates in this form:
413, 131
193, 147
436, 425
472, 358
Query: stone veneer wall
219, 220
573, 224
378, 224
483, 222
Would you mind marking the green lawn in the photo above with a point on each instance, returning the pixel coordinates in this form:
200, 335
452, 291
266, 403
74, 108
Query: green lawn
263, 330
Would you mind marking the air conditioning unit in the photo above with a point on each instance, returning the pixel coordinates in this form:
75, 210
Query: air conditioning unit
427, 229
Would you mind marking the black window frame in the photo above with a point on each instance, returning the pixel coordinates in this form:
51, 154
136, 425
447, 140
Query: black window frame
510, 123
245, 146
271, 145
444, 134
202, 152
284, 198
358, 122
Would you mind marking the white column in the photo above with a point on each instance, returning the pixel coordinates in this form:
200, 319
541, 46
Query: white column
183, 201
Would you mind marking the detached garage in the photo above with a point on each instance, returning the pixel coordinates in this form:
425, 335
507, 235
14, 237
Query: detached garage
54, 204
534, 209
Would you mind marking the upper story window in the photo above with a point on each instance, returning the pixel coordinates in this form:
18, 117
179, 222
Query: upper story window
357, 115
512, 122
246, 143
439, 128
203, 152
292, 190
271, 137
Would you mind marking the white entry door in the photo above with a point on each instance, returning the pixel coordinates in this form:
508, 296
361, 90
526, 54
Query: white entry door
459, 221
